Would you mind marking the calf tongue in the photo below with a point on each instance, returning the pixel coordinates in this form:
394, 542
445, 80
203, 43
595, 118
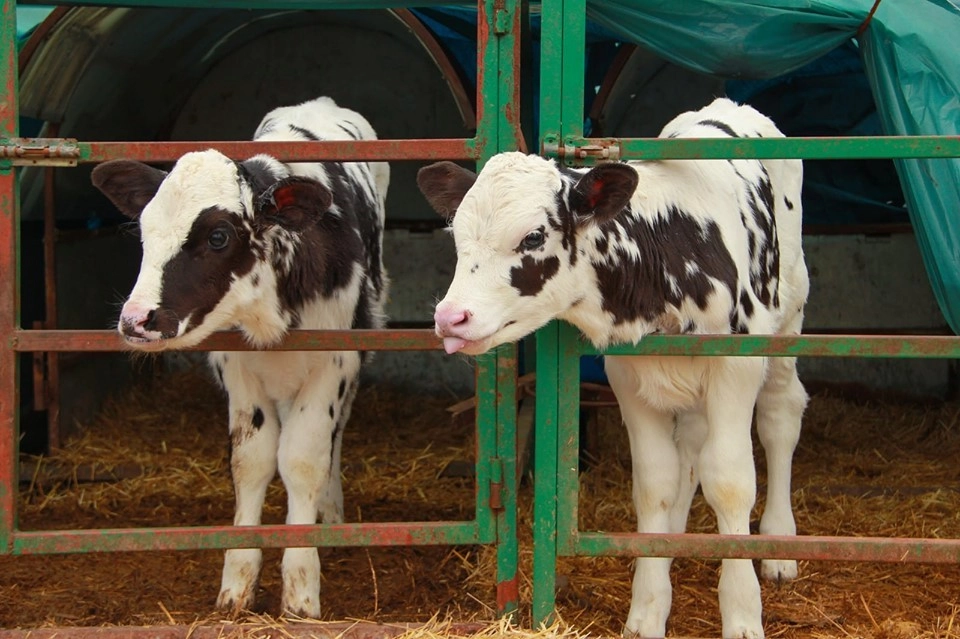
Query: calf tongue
453, 344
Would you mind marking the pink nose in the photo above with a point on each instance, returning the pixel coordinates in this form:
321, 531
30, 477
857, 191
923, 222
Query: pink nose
136, 319
450, 320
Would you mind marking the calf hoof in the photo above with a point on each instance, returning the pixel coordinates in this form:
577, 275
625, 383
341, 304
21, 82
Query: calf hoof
232, 603
302, 608
743, 633
778, 570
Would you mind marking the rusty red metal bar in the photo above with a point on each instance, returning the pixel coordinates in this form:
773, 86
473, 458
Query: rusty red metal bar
384, 150
413, 339
293, 630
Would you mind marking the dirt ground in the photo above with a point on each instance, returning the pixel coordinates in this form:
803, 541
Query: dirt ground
864, 467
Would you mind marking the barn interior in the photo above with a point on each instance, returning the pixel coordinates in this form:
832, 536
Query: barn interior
176, 74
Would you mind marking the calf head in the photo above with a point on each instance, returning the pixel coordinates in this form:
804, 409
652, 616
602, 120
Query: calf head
208, 239
517, 226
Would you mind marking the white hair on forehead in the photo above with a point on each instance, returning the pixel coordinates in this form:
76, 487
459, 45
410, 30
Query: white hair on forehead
512, 191
199, 180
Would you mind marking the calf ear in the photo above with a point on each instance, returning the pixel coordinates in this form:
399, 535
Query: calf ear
444, 184
603, 192
128, 184
294, 203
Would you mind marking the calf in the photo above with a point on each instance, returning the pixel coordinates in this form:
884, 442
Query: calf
265, 247
626, 250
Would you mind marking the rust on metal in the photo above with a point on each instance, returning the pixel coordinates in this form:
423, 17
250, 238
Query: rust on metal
312, 151
413, 339
292, 629
873, 549
40, 151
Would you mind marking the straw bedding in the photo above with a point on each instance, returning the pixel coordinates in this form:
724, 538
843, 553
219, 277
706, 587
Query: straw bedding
158, 457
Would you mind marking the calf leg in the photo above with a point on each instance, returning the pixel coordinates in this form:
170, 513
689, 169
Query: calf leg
306, 461
780, 407
690, 435
729, 484
655, 483
254, 430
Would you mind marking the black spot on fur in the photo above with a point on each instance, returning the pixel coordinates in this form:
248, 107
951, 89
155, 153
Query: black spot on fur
530, 277
640, 287
342, 389
306, 133
332, 412
788, 203
257, 420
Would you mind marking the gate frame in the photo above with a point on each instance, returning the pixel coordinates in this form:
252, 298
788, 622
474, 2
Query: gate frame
559, 345
498, 129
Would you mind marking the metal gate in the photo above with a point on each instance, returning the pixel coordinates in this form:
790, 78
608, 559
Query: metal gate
498, 110
559, 346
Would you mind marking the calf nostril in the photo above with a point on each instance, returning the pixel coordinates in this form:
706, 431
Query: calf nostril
462, 318
150, 322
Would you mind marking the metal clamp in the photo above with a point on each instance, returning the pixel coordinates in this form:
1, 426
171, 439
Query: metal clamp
40, 151
572, 152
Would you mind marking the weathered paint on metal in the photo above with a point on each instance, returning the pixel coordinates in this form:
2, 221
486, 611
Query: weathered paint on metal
895, 346
9, 282
504, 481
879, 549
413, 149
277, 536
812, 148
298, 340
293, 630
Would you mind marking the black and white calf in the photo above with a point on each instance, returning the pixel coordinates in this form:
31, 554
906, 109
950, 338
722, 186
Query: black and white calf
265, 247
626, 250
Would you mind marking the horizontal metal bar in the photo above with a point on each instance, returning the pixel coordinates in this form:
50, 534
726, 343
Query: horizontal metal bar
425, 149
878, 549
412, 339
249, 4
873, 346
311, 629
46, 542
813, 148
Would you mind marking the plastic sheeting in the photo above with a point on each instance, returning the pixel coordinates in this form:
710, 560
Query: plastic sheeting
909, 52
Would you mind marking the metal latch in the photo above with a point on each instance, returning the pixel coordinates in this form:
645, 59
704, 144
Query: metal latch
588, 153
40, 151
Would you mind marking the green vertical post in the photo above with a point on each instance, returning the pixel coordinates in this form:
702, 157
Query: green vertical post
568, 438
545, 423
498, 117
9, 283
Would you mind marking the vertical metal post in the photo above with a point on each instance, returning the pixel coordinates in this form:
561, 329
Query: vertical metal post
9, 281
545, 426
498, 117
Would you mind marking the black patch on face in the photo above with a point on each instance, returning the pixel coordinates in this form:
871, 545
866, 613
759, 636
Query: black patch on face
198, 277
530, 277
640, 288
257, 420
342, 389
723, 126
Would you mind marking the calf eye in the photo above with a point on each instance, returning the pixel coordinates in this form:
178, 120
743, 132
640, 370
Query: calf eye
533, 240
218, 239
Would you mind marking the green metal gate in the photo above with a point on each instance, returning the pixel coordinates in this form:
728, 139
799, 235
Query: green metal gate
559, 346
497, 130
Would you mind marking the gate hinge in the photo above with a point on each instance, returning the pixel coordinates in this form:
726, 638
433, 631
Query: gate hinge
36, 151
496, 484
501, 18
588, 153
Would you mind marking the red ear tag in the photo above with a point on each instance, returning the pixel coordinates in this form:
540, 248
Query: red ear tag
284, 197
596, 188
